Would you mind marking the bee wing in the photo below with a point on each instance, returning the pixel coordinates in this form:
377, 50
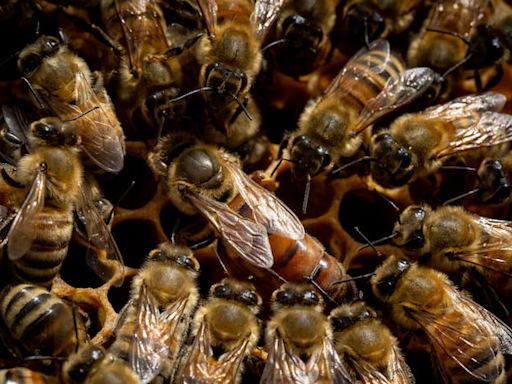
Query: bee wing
368, 373
396, 93
22, 232
491, 129
467, 12
401, 371
99, 235
148, 349
366, 62
209, 11
99, 129
18, 118
264, 15
493, 251
326, 364
247, 237
267, 208
6, 218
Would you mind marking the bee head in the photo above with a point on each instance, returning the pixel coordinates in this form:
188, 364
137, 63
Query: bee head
226, 83
53, 132
360, 23
494, 184
387, 277
235, 290
289, 295
409, 228
347, 315
32, 56
77, 367
182, 256
308, 157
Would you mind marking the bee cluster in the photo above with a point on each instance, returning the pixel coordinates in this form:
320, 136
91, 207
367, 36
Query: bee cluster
274, 191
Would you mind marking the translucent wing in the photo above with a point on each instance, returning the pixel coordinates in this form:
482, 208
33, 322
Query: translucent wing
148, 349
6, 218
247, 237
197, 362
100, 132
396, 93
145, 30
22, 232
209, 11
491, 129
401, 372
264, 15
371, 62
99, 235
367, 373
267, 208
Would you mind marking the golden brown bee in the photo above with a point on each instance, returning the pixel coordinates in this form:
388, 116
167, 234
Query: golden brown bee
299, 340
89, 365
442, 51
494, 176
453, 240
40, 322
24, 376
263, 237
170, 274
416, 144
330, 126
225, 330
302, 35
467, 341
368, 346
63, 84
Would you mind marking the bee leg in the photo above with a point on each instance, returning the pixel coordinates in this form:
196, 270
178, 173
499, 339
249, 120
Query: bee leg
241, 108
178, 50
495, 79
478, 81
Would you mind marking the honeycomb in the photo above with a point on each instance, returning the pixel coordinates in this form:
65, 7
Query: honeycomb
145, 217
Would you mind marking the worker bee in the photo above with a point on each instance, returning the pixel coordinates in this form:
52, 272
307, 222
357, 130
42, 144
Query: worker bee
261, 234
230, 56
225, 329
367, 20
467, 341
453, 240
494, 180
64, 86
329, 127
169, 275
442, 51
24, 376
299, 340
302, 35
367, 346
416, 144
40, 322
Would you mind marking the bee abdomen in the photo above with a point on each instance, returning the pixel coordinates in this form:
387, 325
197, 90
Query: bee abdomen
22, 376
43, 260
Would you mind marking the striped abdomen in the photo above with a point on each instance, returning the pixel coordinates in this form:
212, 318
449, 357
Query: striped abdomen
38, 320
42, 262
125, 331
22, 376
478, 350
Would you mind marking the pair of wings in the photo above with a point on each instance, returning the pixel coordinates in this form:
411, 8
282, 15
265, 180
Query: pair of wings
476, 121
264, 14
201, 366
397, 85
248, 236
324, 365
22, 233
481, 329
153, 334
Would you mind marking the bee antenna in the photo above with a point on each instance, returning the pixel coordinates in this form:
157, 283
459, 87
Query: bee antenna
379, 241
461, 196
451, 33
458, 168
311, 279
160, 127
459, 64
9, 58
390, 202
279, 163
365, 276
273, 44
40, 357
354, 162
175, 227
201, 243
36, 95
120, 198
193, 92
241, 105
81, 114
274, 273
366, 40
306, 194
370, 244
226, 272
75, 325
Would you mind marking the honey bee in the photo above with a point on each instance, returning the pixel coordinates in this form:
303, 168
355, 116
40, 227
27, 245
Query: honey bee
453, 240
329, 128
442, 51
367, 20
230, 54
225, 329
302, 35
416, 144
40, 322
299, 340
494, 180
64, 85
260, 233
368, 346
169, 275
467, 341
23, 376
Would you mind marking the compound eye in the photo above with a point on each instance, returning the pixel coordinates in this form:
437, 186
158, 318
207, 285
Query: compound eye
405, 157
30, 63
286, 297
188, 262
292, 20
311, 298
52, 44
249, 297
222, 291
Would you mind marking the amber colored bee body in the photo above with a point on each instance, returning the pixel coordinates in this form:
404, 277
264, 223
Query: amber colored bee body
39, 321
225, 330
261, 235
467, 341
